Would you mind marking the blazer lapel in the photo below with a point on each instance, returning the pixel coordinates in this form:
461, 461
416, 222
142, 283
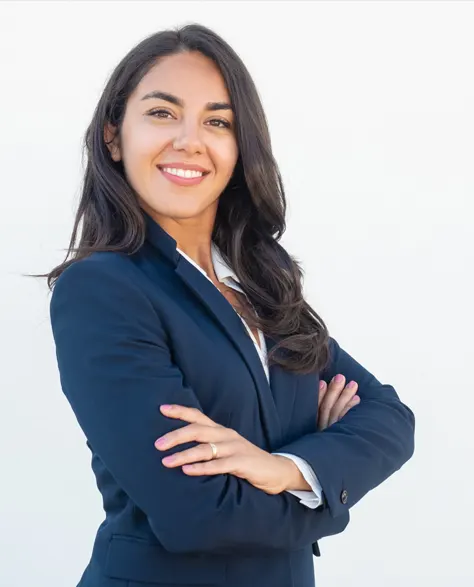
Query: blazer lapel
232, 325
283, 386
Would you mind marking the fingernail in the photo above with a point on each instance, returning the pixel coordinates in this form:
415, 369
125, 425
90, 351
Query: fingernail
321, 385
160, 443
166, 406
352, 384
168, 460
339, 378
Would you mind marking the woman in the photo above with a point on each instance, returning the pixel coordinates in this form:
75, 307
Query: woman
185, 346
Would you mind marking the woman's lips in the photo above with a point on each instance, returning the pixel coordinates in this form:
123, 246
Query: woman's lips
183, 180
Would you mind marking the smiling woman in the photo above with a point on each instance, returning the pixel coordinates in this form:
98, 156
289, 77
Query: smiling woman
168, 114
180, 325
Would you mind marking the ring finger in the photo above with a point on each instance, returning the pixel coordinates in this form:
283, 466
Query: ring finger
197, 454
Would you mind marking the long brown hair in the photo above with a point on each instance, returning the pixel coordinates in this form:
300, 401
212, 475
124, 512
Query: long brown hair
250, 219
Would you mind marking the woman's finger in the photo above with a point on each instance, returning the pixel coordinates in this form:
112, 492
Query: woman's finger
344, 398
194, 432
354, 401
323, 386
191, 415
201, 453
214, 467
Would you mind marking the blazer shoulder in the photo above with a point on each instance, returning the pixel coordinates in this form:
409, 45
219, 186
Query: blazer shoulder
102, 266
100, 277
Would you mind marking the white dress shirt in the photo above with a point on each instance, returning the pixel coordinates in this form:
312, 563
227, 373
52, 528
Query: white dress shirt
225, 274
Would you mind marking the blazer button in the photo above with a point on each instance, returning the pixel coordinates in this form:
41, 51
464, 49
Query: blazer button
344, 496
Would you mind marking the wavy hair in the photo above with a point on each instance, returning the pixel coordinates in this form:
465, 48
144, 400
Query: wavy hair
250, 218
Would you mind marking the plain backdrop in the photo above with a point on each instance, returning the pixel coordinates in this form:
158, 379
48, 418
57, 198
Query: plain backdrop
370, 106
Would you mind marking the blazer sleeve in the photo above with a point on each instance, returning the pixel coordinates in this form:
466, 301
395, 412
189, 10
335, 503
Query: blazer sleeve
372, 441
116, 369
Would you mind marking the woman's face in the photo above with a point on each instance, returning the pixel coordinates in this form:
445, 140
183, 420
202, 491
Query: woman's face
192, 125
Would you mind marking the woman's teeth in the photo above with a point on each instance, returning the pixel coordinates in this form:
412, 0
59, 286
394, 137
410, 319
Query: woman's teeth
183, 172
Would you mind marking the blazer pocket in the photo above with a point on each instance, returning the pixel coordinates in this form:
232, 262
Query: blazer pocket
136, 559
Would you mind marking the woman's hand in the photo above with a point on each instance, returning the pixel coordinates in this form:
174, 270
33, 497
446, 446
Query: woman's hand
335, 400
235, 455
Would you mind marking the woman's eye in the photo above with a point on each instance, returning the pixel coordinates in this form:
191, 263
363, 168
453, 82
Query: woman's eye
159, 111
223, 122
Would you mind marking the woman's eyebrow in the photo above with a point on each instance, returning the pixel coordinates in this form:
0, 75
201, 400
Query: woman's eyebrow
158, 95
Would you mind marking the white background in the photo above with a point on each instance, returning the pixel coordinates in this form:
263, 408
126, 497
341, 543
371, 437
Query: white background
371, 110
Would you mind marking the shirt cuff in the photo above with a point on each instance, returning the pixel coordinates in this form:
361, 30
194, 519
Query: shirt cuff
311, 499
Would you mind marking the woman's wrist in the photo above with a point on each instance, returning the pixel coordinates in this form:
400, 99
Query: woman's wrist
292, 477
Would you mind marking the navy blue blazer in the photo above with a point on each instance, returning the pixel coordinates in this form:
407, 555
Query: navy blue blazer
133, 332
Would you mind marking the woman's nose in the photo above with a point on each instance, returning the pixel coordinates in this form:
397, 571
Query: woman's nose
189, 139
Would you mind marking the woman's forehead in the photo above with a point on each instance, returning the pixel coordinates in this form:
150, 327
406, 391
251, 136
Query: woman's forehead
189, 76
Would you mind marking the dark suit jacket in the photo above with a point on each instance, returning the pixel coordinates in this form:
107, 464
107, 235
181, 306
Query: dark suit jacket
133, 332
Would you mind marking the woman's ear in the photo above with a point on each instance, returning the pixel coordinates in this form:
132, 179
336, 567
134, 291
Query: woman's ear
111, 140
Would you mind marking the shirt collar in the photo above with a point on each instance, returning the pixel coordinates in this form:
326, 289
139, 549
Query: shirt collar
222, 269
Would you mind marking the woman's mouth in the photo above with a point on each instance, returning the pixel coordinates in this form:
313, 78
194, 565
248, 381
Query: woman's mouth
183, 177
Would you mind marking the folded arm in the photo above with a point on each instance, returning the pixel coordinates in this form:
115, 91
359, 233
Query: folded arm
372, 441
116, 370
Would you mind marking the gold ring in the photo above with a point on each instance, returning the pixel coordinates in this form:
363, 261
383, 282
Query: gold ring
214, 450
